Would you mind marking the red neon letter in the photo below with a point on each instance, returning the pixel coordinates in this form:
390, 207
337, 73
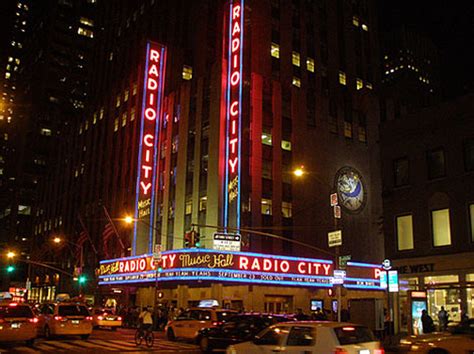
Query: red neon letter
151, 99
145, 187
234, 108
152, 84
235, 44
232, 164
153, 70
267, 264
150, 114
235, 78
377, 273
326, 267
243, 263
154, 55
232, 143
236, 12
146, 140
236, 28
300, 269
285, 266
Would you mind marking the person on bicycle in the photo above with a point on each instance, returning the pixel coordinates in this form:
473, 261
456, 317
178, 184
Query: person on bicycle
146, 319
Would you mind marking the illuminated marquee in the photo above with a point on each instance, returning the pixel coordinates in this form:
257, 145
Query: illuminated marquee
203, 264
233, 113
363, 276
148, 149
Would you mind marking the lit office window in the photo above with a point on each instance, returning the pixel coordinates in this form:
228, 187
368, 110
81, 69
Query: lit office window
359, 84
45, 132
295, 58
188, 208
187, 72
441, 227
286, 209
342, 77
369, 85
87, 21
355, 21
126, 93
266, 138
134, 89
132, 114
365, 27
7, 75
85, 32
117, 102
203, 203
116, 124
101, 114
286, 145
275, 50
310, 64
124, 119
94, 118
266, 206
405, 232
296, 81
362, 134
348, 129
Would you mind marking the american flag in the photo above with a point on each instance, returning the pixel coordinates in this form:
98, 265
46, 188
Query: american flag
80, 242
106, 236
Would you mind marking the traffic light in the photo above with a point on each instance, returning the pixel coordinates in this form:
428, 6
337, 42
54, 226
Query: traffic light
10, 268
82, 279
197, 240
188, 239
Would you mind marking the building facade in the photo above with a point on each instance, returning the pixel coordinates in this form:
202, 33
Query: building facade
251, 90
427, 163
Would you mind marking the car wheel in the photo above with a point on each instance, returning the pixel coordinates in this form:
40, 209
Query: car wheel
204, 344
85, 336
47, 332
170, 335
30, 342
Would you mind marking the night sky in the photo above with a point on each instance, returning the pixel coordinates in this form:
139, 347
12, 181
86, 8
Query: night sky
449, 24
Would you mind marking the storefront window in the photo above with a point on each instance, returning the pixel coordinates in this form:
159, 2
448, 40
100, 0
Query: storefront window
449, 298
470, 295
406, 284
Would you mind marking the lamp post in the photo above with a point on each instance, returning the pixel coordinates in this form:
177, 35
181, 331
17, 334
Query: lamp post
299, 172
80, 279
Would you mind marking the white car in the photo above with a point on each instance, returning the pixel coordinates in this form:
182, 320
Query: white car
312, 337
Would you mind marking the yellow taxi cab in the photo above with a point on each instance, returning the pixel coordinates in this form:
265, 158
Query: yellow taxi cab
61, 319
17, 322
106, 318
188, 324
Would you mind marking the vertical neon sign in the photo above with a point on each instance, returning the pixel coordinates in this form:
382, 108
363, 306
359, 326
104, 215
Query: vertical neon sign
151, 117
233, 112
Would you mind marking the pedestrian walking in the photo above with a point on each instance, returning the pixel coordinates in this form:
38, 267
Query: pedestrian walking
443, 318
426, 322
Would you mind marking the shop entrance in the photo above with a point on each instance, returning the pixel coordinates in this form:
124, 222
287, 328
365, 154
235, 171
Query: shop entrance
278, 304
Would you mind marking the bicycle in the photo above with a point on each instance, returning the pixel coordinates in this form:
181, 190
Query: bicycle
146, 334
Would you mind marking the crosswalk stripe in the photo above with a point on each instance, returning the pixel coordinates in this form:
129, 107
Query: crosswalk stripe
106, 344
85, 344
123, 342
62, 345
46, 346
24, 349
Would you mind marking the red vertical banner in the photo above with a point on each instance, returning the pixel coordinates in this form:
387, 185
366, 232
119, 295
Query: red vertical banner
233, 112
150, 124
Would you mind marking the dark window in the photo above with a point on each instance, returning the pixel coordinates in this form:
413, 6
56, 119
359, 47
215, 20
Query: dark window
469, 155
353, 335
400, 172
436, 164
72, 310
15, 311
271, 337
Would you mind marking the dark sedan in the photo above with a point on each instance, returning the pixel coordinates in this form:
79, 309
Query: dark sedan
237, 329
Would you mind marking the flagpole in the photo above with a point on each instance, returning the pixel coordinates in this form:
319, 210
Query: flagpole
113, 227
87, 233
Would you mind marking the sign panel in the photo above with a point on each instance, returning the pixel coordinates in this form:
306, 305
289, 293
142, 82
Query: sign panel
234, 37
226, 242
335, 238
343, 261
157, 252
339, 276
383, 280
393, 281
337, 212
151, 116
333, 199
363, 276
211, 265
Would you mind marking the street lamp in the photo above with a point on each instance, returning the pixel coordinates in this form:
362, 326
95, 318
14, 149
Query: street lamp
11, 254
299, 172
128, 219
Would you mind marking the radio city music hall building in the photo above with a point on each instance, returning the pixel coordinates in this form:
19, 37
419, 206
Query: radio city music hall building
200, 113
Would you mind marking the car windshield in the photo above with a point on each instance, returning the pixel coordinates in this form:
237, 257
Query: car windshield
15, 311
353, 335
72, 310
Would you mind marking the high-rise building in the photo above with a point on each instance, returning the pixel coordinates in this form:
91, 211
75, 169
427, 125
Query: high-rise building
427, 164
199, 114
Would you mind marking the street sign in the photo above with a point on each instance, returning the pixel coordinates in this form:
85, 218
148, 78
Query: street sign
335, 238
333, 199
383, 280
157, 252
337, 211
393, 281
339, 276
226, 242
343, 261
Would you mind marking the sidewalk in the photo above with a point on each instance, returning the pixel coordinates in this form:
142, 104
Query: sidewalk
390, 343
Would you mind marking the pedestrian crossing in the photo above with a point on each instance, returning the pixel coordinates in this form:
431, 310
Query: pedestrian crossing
98, 346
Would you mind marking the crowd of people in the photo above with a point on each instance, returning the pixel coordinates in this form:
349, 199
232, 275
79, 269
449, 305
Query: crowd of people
133, 316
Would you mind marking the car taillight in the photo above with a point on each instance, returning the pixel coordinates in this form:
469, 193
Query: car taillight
340, 351
2, 320
13, 304
216, 323
100, 318
379, 351
33, 320
119, 318
89, 318
60, 318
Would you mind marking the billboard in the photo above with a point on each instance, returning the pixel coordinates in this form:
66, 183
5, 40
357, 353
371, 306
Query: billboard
151, 117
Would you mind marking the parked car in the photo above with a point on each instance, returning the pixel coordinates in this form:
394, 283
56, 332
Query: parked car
188, 324
237, 329
105, 318
58, 319
17, 322
312, 337
437, 343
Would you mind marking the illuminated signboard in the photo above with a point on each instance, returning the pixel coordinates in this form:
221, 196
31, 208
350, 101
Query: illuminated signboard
363, 276
211, 265
233, 113
153, 82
